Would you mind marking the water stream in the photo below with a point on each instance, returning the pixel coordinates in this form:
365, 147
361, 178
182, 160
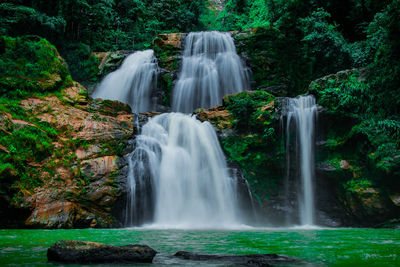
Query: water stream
179, 177
210, 70
300, 115
133, 83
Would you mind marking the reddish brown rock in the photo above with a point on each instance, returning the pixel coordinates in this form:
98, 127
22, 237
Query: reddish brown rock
218, 116
168, 40
75, 94
364, 202
99, 167
61, 214
78, 188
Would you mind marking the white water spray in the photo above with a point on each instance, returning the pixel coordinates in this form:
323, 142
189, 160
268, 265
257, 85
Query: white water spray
302, 111
132, 83
179, 159
211, 69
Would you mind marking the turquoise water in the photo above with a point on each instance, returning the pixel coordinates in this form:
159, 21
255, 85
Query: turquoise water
323, 247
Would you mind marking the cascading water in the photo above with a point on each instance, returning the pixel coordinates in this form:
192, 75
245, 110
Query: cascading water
179, 160
301, 113
132, 83
211, 69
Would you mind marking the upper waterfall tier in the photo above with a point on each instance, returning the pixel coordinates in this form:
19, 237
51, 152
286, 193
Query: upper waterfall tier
132, 83
210, 70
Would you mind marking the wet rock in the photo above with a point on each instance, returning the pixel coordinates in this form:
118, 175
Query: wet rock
168, 40
218, 116
99, 167
395, 199
79, 191
110, 61
243, 260
66, 215
368, 202
70, 251
75, 94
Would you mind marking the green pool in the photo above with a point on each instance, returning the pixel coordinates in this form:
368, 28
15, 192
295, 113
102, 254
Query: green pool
322, 247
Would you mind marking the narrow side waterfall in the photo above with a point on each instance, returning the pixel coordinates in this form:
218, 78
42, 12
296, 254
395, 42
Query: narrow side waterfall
132, 83
301, 113
179, 163
211, 69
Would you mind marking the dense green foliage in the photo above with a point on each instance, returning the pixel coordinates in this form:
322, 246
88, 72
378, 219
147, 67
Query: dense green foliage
371, 101
250, 110
30, 64
99, 25
257, 149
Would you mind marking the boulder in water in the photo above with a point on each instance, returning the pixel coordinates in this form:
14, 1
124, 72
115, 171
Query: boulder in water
70, 251
243, 260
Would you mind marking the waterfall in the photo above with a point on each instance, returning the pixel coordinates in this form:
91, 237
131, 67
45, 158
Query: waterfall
301, 113
210, 70
132, 83
179, 163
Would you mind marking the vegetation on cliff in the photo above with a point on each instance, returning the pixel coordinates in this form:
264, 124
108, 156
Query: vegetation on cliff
54, 163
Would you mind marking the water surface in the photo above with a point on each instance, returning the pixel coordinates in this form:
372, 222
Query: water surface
320, 247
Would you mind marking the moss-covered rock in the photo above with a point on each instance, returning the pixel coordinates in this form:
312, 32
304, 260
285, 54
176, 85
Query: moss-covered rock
167, 48
362, 147
60, 151
31, 64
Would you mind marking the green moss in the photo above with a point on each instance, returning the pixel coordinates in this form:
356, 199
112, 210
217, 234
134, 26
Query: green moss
357, 185
260, 159
169, 61
258, 149
358, 132
168, 87
250, 111
30, 64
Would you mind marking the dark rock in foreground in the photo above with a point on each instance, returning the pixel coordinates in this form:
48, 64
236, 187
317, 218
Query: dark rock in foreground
243, 260
71, 251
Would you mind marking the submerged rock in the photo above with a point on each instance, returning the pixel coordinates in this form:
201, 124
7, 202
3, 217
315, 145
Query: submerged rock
243, 260
71, 251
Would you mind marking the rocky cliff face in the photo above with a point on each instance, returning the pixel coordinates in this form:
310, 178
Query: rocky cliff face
349, 155
77, 181
61, 158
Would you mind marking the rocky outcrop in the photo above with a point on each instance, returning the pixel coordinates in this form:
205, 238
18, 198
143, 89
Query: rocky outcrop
110, 61
217, 5
70, 251
336, 79
241, 260
75, 182
168, 41
219, 116
168, 48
